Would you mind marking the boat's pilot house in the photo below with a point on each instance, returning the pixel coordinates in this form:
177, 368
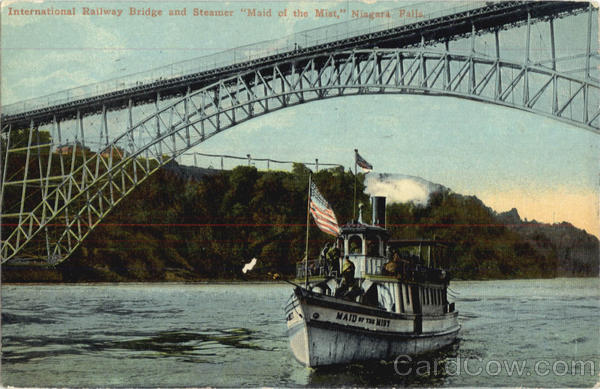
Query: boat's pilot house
371, 251
365, 245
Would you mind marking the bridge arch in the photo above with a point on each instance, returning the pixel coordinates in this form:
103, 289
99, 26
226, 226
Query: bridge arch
94, 188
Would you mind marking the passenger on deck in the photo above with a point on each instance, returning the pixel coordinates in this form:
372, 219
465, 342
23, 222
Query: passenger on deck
323, 262
348, 288
392, 267
333, 257
396, 266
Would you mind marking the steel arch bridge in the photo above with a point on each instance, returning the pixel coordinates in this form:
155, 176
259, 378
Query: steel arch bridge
88, 185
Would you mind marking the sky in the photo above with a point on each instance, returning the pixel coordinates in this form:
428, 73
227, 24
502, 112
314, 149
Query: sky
508, 158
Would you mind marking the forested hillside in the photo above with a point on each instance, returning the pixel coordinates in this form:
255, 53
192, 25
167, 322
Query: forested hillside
193, 224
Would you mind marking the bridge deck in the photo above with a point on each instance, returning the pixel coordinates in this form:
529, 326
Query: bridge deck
446, 27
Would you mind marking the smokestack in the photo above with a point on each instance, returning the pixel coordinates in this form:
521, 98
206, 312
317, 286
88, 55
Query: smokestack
378, 205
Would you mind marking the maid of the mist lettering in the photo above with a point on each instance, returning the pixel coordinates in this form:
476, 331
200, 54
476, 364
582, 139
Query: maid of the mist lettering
353, 318
347, 317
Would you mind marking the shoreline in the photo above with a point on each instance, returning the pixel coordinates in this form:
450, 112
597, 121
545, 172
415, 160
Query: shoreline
134, 283
221, 282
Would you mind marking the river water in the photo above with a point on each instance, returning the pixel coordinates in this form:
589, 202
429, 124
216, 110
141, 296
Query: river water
234, 335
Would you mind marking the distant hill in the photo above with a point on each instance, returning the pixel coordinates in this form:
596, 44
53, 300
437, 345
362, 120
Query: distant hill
509, 217
576, 251
188, 224
189, 172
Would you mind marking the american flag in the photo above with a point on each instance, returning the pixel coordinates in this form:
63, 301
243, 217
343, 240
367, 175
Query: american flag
322, 212
360, 161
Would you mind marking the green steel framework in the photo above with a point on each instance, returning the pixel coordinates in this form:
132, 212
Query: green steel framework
69, 205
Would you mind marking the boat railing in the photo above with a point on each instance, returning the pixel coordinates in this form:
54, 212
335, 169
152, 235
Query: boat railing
315, 268
374, 265
404, 270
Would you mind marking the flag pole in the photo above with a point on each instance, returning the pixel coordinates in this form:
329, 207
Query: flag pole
307, 229
354, 204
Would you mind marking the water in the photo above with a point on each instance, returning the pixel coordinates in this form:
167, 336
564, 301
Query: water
234, 335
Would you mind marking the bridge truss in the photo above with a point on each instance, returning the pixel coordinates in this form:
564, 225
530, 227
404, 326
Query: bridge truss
66, 189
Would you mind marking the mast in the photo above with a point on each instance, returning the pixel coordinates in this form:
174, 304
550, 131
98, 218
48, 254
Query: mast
307, 229
354, 203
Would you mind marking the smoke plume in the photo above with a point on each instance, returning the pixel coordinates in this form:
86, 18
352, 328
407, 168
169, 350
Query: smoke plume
400, 188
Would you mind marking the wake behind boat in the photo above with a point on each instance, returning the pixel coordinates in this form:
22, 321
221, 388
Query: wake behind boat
369, 297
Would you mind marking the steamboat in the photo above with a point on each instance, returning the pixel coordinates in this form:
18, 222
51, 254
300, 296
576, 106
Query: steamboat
380, 298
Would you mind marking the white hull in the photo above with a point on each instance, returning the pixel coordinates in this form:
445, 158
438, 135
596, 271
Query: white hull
327, 331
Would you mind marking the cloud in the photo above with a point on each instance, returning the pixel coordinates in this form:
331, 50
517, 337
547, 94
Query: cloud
57, 77
19, 21
285, 118
31, 72
6, 3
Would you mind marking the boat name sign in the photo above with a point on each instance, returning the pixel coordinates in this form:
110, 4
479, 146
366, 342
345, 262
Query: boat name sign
353, 318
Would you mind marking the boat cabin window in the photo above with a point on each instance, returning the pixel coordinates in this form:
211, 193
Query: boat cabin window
373, 247
355, 245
